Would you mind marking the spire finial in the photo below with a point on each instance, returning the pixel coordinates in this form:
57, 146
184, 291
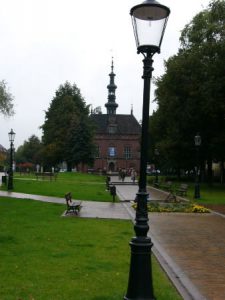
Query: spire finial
111, 105
112, 65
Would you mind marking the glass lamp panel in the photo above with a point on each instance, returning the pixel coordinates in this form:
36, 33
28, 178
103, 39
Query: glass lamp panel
11, 135
156, 152
148, 33
198, 140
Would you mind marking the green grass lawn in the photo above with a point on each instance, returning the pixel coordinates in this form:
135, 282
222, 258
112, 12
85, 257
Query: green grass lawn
214, 194
47, 257
82, 186
209, 194
92, 187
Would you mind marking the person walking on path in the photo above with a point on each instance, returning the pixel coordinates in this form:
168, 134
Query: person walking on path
123, 175
133, 175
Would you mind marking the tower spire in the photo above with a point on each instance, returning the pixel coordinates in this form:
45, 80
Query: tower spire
111, 105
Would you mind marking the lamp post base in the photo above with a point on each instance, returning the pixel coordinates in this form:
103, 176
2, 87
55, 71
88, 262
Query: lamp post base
10, 182
140, 276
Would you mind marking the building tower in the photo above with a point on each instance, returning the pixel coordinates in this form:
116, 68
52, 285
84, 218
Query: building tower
117, 136
111, 105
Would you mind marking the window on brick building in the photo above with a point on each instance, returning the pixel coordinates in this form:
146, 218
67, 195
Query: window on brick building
112, 151
112, 129
127, 152
97, 154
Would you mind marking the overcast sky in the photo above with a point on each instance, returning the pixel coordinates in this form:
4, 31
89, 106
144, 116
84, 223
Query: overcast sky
44, 43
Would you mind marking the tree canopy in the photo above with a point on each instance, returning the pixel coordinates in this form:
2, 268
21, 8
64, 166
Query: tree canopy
190, 95
6, 100
67, 133
30, 151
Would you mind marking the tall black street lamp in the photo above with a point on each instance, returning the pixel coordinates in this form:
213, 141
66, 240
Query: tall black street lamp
198, 142
149, 22
156, 152
10, 179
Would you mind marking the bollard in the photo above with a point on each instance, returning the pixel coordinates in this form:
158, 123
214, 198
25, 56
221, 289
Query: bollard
113, 192
107, 181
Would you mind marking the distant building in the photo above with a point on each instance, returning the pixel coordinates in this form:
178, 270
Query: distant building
117, 136
3, 155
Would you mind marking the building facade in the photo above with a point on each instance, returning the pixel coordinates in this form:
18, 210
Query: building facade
3, 155
117, 136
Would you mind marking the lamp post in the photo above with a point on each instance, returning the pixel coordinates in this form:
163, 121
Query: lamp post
149, 22
10, 179
156, 152
198, 142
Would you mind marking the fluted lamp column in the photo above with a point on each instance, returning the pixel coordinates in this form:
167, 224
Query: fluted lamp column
11, 135
198, 142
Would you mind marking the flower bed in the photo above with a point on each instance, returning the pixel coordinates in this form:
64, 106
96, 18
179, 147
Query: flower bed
186, 207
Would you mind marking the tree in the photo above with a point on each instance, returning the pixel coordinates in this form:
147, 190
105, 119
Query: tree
6, 99
30, 151
81, 148
204, 37
66, 116
190, 95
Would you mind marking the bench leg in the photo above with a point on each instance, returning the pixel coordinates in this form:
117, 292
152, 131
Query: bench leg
171, 197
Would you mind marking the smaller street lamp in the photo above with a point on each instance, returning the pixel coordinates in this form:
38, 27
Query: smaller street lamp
198, 142
156, 152
10, 179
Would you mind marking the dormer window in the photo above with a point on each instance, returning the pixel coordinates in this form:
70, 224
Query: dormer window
112, 129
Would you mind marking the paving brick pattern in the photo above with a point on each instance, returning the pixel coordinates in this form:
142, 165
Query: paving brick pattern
196, 244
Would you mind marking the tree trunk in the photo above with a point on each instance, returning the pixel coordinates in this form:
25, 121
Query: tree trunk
69, 167
178, 174
222, 171
202, 172
209, 171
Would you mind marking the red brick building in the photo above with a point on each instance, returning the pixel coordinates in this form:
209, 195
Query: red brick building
117, 136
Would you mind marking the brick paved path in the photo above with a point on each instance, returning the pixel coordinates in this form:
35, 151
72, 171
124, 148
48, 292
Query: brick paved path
195, 243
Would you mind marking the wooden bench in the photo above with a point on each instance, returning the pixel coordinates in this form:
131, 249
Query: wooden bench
167, 186
156, 184
72, 206
171, 198
182, 190
44, 175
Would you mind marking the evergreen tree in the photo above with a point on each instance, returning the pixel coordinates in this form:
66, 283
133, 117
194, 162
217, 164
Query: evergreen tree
66, 116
